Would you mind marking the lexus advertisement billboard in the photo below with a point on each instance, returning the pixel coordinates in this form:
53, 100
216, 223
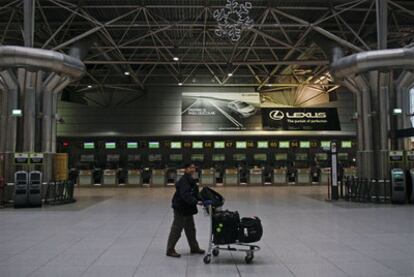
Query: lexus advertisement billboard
300, 119
201, 111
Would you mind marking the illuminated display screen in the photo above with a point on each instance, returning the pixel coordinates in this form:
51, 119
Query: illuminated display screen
241, 144
304, 144
219, 144
284, 144
281, 157
154, 145
346, 144
343, 156
321, 156
260, 157
326, 144
197, 145
132, 145
110, 145
219, 158
197, 157
88, 145
87, 158
263, 144
112, 158
176, 145
176, 157
134, 158
239, 157
301, 156
154, 157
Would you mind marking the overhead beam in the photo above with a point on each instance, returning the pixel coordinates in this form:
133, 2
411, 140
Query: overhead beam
270, 62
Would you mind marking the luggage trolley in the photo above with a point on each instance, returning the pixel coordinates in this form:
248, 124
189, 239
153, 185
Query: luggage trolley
214, 249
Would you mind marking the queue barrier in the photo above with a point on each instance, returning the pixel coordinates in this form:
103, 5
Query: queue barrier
365, 190
61, 192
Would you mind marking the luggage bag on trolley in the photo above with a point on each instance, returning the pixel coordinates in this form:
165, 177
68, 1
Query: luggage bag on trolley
227, 231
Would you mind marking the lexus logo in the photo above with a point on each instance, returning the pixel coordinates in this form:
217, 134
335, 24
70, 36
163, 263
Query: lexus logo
277, 115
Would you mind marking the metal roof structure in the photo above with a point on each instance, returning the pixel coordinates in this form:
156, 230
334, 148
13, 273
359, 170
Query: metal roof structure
132, 43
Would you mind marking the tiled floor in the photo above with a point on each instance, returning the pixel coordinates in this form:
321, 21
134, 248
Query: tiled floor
123, 232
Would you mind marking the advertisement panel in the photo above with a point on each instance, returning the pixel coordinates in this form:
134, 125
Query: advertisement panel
300, 119
220, 112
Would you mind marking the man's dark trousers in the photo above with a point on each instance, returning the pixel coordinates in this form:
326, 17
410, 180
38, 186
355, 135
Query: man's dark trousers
182, 222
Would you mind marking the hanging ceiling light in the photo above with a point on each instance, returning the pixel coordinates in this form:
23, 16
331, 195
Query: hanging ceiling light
233, 19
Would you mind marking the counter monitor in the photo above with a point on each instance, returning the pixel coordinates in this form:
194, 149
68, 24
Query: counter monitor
281, 157
263, 144
153, 145
197, 145
176, 157
326, 144
343, 156
88, 145
284, 144
321, 156
132, 145
301, 156
241, 144
219, 144
176, 145
110, 145
260, 157
197, 157
154, 158
239, 157
219, 157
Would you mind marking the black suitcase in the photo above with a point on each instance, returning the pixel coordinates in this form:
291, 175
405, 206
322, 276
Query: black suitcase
209, 194
250, 230
225, 227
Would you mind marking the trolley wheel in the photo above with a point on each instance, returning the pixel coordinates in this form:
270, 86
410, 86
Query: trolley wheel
207, 259
249, 257
215, 252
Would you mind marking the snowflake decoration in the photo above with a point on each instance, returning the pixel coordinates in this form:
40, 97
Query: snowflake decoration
233, 19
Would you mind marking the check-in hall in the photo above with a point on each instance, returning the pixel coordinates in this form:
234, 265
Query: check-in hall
206, 138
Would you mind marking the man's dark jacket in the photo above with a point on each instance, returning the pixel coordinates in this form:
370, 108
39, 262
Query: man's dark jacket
186, 196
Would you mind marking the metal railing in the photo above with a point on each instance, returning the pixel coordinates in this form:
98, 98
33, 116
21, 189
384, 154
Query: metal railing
365, 190
58, 193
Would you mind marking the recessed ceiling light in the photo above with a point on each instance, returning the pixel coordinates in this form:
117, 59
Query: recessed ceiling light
127, 73
230, 74
176, 58
180, 83
89, 86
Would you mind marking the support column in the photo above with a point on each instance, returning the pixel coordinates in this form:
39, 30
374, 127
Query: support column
382, 23
350, 84
382, 163
367, 155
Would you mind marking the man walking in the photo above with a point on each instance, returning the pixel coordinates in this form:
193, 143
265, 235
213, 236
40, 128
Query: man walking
184, 203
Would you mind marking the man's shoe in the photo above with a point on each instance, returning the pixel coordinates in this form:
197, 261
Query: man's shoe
198, 251
173, 254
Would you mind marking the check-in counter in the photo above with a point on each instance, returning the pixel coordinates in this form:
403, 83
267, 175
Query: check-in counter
158, 178
85, 177
255, 176
325, 175
109, 177
304, 176
231, 177
134, 177
350, 171
208, 177
279, 176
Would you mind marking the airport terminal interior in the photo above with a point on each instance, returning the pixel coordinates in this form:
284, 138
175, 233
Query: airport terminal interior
288, 125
